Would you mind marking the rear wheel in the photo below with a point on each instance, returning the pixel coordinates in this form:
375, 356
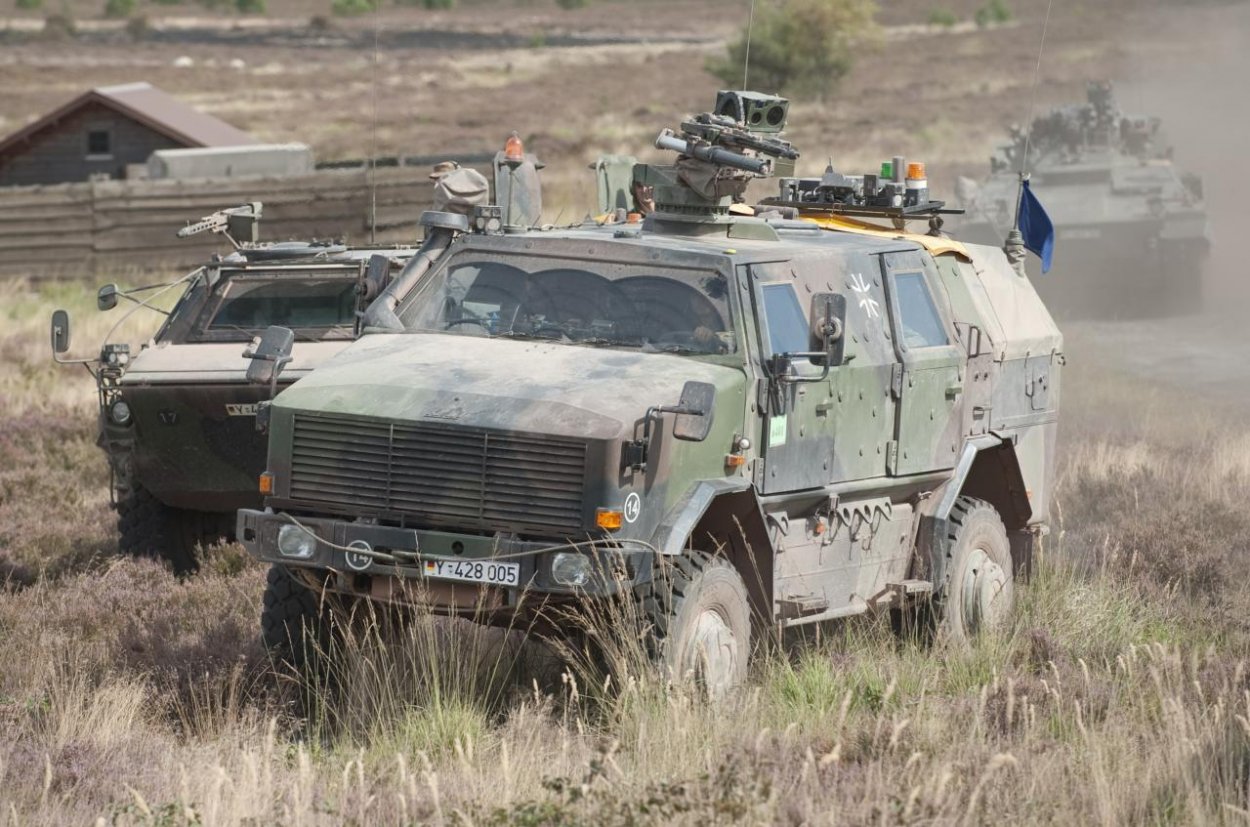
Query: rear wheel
978, 594
148, 527
700, 622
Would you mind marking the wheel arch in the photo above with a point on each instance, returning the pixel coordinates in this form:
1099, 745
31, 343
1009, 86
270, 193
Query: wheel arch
724, 517
989, 470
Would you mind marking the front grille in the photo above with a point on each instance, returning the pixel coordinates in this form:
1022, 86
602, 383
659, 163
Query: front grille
441, 474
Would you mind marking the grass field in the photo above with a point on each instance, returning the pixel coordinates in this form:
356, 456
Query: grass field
1119, 694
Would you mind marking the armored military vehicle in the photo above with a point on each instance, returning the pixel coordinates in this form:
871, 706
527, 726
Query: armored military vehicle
737, 417
177, 418
1131, 231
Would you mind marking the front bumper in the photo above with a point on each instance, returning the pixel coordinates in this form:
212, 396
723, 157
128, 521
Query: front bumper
400, 553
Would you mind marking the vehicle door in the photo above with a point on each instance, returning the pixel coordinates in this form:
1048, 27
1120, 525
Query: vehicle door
929, 382
792, 443
818, 431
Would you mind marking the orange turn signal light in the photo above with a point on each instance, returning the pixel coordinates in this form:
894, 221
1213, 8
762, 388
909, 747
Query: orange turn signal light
609, 519
266, 483
735, 460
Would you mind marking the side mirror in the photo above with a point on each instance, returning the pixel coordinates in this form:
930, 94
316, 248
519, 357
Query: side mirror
106, 299
376, 276
269, 355
828, 322
60, 332
695, 411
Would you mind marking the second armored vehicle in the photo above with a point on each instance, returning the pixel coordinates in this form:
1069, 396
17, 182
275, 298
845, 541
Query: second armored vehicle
1131, 230
177, 419
734, 416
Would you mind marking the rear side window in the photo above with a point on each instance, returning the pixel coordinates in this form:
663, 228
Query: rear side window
922, 326
788, 330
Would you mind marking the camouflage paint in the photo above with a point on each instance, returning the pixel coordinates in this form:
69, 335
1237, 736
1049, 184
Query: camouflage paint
846, 469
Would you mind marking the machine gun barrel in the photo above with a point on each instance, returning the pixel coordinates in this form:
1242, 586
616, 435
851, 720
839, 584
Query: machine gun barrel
215, 222
712, 154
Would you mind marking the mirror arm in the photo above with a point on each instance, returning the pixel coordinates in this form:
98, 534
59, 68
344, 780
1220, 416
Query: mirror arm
639, 447
805, 380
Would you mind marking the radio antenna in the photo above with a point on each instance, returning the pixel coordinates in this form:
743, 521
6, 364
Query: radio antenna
746, 58
1013, 247
1037, 71
373, 142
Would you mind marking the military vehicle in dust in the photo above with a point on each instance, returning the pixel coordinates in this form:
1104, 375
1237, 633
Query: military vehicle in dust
177, 418
1131, 230
738, 417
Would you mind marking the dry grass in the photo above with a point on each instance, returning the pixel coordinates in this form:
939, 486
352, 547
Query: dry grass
1120, 694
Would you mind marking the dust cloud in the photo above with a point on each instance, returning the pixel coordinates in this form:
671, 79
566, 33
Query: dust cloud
1195, 83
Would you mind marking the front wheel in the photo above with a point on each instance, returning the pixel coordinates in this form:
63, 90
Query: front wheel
700, 620
978, 594
148, 527
295, 622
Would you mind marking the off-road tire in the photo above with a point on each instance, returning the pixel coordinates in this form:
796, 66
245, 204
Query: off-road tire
696, 600
295, 621
978, 591
147, 527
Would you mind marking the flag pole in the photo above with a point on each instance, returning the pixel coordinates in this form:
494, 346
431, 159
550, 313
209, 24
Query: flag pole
1013, 247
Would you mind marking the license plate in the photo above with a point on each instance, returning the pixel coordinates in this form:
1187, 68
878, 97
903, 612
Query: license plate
475, 571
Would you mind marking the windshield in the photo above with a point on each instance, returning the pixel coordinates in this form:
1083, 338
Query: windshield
578, 302
253, 304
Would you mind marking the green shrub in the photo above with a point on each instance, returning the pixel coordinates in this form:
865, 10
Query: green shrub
250, 6
799, 46
348, 8
942, 17
438, 4
119, 8
167, 2
572, 4
29, 5
995, 11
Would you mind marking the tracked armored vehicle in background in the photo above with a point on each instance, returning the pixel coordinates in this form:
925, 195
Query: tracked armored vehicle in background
177, 419
1131, 230
738, 418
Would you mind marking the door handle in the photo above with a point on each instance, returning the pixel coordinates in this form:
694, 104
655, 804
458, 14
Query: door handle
953, 391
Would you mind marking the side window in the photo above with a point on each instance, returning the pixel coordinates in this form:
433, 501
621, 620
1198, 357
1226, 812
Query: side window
922, 326
788, 328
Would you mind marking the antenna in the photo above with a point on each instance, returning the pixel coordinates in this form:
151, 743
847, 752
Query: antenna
1013, 247
746, 59
1037, 71
373, 143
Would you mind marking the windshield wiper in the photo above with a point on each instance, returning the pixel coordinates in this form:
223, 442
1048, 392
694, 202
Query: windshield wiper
600, 341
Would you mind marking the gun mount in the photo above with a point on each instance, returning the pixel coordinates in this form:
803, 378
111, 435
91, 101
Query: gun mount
719, 153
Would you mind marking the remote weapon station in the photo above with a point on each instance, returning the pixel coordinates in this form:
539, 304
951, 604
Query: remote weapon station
737, 417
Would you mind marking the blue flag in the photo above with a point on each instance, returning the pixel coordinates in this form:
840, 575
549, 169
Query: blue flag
1035, 226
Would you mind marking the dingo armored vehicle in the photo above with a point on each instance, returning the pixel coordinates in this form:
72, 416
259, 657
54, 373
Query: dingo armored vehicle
177, 418
1131, 230
738, 417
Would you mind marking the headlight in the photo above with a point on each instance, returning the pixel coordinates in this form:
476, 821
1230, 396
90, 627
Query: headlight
119, 412
570, 569
294, 541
